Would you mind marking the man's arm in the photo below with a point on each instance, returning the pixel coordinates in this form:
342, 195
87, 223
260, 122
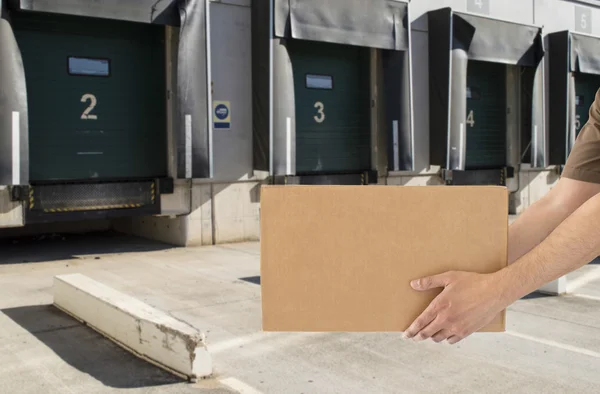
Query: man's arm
580, 181
574, 243
469, 301
541, 218
556, 235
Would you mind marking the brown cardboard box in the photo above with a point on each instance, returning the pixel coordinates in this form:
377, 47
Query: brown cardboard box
341, 258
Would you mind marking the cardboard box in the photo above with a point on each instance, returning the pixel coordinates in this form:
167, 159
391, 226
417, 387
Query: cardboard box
341, 258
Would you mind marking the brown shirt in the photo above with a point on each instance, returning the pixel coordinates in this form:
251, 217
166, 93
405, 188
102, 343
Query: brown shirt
583, 163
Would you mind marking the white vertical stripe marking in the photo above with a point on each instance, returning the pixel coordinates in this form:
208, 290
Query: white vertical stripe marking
411, 101
188, 146
534, 145
461, 151
209, 91
396, 148
271, 60
16, 147
288, 145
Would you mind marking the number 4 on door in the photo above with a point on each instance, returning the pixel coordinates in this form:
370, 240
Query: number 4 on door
471, 118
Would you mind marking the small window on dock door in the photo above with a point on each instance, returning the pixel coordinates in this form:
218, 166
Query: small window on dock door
315, 81
89, 67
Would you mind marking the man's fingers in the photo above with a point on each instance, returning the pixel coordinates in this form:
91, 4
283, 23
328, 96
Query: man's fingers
429, 331
454, 339
431, 282
420, 322
441, 336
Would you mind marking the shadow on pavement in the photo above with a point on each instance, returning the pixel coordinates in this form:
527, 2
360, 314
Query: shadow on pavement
86, 350
596, 261
54, 247
252, 279
535, 295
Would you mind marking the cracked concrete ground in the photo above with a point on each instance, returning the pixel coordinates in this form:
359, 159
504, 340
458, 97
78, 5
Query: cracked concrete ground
551, 345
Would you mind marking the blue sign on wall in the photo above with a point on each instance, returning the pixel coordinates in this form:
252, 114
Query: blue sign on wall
221, 115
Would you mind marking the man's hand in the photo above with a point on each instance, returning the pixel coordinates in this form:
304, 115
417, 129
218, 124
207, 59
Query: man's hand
468, 302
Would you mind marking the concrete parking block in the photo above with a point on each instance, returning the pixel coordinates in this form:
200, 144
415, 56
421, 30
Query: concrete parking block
145, 331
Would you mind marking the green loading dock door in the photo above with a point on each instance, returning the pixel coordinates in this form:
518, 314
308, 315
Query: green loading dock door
586, 86
96, 97
332, 97
486, 115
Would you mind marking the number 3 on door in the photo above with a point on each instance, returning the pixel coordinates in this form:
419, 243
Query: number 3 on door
92, 99
320, 111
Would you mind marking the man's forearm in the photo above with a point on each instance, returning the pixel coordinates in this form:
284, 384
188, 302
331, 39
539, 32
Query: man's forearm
541, 218
532, 227
574, 243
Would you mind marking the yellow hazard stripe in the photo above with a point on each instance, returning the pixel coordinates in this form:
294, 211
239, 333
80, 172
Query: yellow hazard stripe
31, 199
92, 208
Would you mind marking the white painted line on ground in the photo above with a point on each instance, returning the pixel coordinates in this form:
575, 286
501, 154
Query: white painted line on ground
280, 339
585, 296
583, 280
288, 339
555, 344
235, 342
239, 386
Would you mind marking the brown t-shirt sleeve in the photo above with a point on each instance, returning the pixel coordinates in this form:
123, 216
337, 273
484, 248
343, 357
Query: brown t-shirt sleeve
583, 163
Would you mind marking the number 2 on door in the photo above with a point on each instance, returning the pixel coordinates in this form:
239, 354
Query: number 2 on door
92, 99
471, 118
320, 111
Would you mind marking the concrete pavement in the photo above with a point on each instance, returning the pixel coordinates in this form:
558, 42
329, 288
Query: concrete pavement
551, 345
